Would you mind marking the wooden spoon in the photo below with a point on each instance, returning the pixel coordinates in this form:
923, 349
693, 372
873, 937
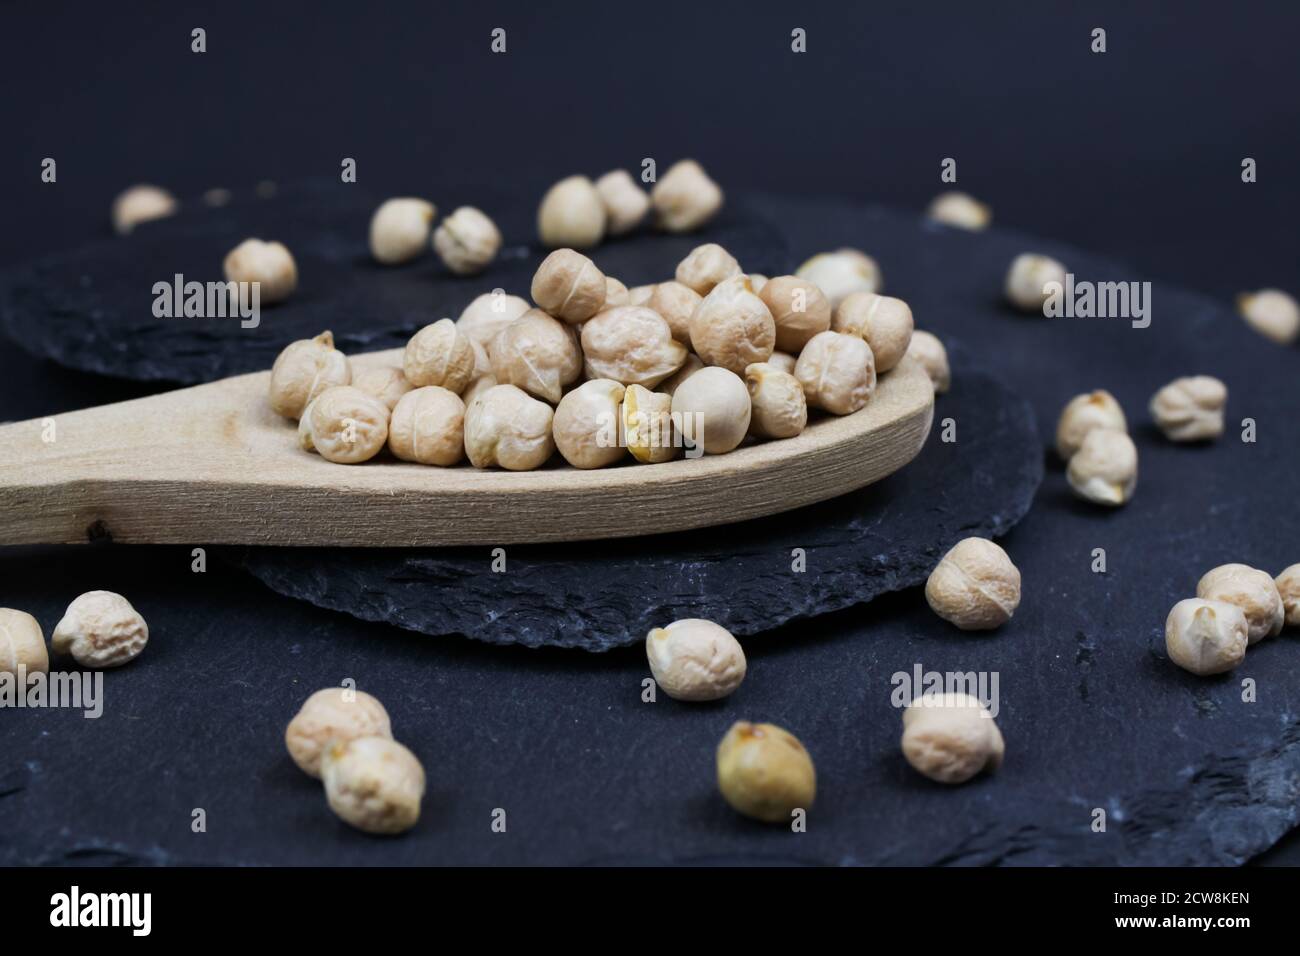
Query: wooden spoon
213, 464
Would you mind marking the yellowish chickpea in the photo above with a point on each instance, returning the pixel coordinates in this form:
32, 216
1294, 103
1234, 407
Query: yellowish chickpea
399, 230
799, 309
568, 286
345, 425
841, 273
586, 424
439, 354
676, 303
883, 322
386, 382
632, 345
732, 328
506, 426
467, 241
648, 425
428, 427
705, 266
572, 214
269, 264
764, 772
685, 198
303, 370
779, 407
625, 202
837, 372
537, 353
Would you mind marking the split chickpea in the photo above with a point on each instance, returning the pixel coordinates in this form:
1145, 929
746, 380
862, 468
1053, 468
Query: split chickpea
572, 214
506, 426
779, 407
586, 424
537, 353
685, 198
467, 241
632, 345
568, 286
399, 230
883, 322
798, 308
303, 370
269, 264
732, 328
428, 427
648, 425
440, 354
837, 372
22, 643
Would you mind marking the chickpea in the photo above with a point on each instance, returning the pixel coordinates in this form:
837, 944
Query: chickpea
399, 230
732, 328
22, 644
975, 586
764, 772
1081, 415
303, 370
929, 351
799, 309
467, 241
482, 361
648, 425
586, 424
141, 204
694, 659
883, 322
960, 210
951, 737
537, 353
373, 783
712, 408
506, 426
100, 629
1027, 280
758, 281
625, 202
569, 286
1251, 590
269, 264
477, 388
779, 407
640, 295
1272, 313
386, 382
439, 354
1206, 637
1104, 469
837, 372
1288, 589
685, 198
692, 365
632, 345
676, 303
841, 273
616, 293
1190, 409
428, 426
345, 425
783, 361
335, 713
489, 314
705, 266
572, 214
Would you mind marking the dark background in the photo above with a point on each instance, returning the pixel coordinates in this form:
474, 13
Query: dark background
1135, 152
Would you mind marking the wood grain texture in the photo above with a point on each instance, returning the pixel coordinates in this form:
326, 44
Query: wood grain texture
213, 464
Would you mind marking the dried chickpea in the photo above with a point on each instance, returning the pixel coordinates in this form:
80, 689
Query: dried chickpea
625, 202
712, 407
1027, 277
732, 328
506, 426
22, 644
569, 286
467, 241
373, 783
386, 382
1191, 408
883, 322
632, 345
783, 361
489, 314
1104, 469
799, 309
100, 629
975, 586
1272, 313
837, 372
841, 273
439, 354
929, 351
764, 772
693, 659
586, 424
428, 426
335, 713
950, 738
482, 361
345, 425
961, 210
399, 230
1206, 637
676, 303
303, 370
1288, 589
615, 293
1251, 590
477, 388
692, 365
705, 266
538, 353
141, 204
269, 264
640, 295
758, 281
1081, 415
685, 198
571, 214
779, 407
648, 425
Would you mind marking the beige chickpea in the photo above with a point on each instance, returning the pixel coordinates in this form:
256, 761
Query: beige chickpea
373, 783
1272, 313
1249, 589
586, 424
489, 314
757, 280
572, 214
641, 295
428, 427
974, 586
676, 303
506, 426
685, 198
439, 354
648, 425
712, 408
631, 344
386, 382
538, 353
1206, 637
1027, 279
625, 202
399, 230
1190, 409
841, 273
779, 407
798, 308
951, 738
335, 713
269, 264
100, 629
1083, 413
616, 293
883, 322
482, 361
783, 361
1105, 468
837, 372
467, 241
705, 266
22, 644
1288, 589
303, 370
732, 328
929, 351
141, 204
692, 365
764, 772
693, 659
345, 425
961, 210
569, 286
477, 388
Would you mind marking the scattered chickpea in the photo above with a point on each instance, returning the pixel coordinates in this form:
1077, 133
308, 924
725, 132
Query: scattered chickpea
717, 403
439, 354
764, 772
345, 425
269, 264
693, 659
841, 273
951, 738
22, 643
373, 783
489, 314
303, 370
586, 424
975, 586
705, 266
685, 198
100, 629
1206, 637
647, 425
960, 210
692, 365
1081, 415
732, 328
779, 407
616, 293
1251, 590
676, 303
335, 713
641, 295
572, 214
632, 345
386, 382
506, 426
883, 322
1272, 313
467, 241
837, 372
625, 202
929, 351
1288, 589
399, 230
569, 286
141, 204
1104, 470
1026, 278
538, 353
1191, 408
428, 427
798, 308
